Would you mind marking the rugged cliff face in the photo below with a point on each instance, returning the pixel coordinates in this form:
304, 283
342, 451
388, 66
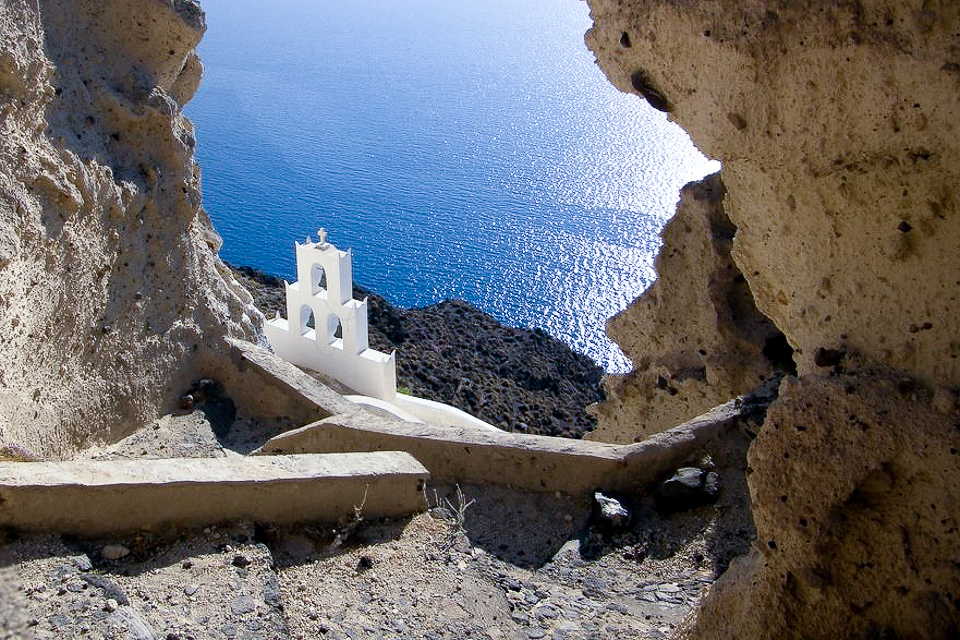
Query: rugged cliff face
835, 123
695, 337
112, 297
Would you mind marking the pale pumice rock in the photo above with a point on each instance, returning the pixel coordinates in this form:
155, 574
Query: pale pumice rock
112, 297
835, 124
836, 127
855, 503
695, 337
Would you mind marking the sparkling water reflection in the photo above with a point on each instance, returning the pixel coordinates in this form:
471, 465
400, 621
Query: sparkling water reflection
469, 150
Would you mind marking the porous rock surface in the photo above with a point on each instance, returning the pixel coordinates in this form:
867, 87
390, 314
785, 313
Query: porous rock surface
112, 298
695, 337
835, 123
856, 515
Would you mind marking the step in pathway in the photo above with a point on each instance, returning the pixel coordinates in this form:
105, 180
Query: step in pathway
92, 497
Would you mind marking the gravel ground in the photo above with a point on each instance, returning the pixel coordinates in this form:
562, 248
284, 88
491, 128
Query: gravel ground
430, 576
486, 561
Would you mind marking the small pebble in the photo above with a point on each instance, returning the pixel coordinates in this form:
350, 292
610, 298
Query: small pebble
546, 612
242, 605
58, 620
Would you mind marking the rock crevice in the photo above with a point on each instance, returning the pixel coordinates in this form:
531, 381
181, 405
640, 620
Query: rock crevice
695, 337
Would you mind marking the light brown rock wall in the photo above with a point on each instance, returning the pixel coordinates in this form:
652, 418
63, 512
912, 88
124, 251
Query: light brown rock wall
855, 503
110, 288
695, 337
836, 126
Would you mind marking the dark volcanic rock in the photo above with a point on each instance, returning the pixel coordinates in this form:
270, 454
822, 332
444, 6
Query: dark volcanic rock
518, 379
688, 488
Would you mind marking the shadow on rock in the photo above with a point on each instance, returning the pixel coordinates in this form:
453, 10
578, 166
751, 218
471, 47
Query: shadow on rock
523, 528
209, 396
296, 545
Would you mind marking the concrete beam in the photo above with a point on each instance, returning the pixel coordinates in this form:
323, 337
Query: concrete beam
276, 372
538, 463
96, 497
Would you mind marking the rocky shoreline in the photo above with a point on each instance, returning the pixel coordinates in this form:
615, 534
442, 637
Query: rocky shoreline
521, 380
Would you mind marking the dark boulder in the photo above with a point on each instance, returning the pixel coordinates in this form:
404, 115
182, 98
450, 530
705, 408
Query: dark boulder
688, 488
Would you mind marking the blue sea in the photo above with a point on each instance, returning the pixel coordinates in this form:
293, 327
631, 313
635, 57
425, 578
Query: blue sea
466, 150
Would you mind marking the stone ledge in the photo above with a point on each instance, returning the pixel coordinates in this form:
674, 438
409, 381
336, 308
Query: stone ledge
96, 497
279, 373
538, 463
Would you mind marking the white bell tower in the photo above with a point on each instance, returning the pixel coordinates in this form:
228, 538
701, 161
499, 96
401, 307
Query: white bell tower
337, 343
